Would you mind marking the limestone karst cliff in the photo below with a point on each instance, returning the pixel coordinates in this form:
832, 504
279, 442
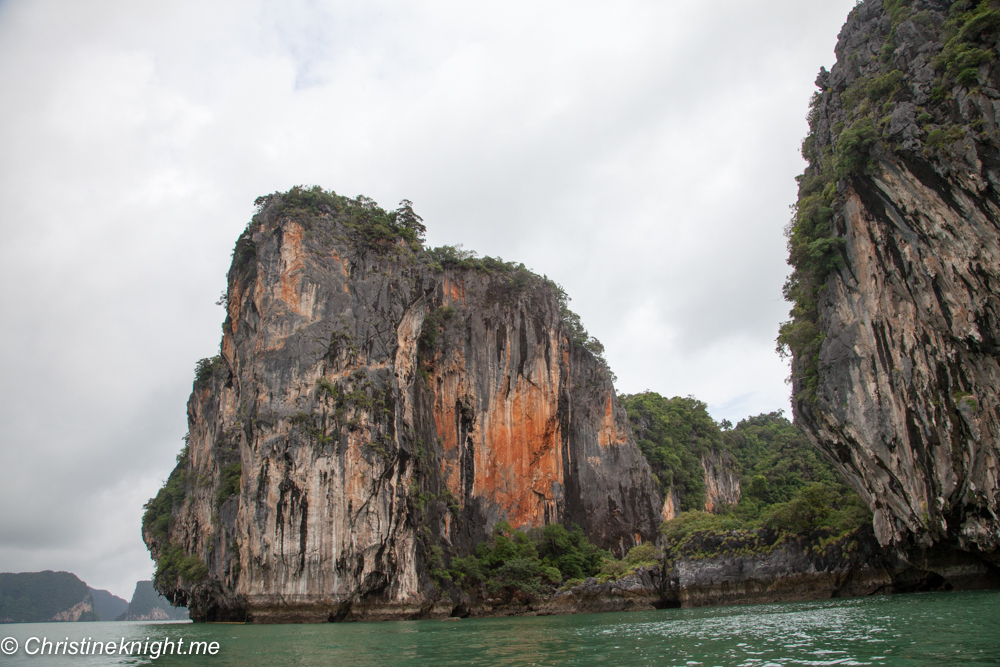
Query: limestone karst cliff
44, 597
722, 482
896, 249
376, 409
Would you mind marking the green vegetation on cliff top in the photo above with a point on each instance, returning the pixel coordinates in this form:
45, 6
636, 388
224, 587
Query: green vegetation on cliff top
674, 434
401, 231
787, 487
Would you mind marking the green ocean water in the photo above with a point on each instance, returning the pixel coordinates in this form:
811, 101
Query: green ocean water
922, 629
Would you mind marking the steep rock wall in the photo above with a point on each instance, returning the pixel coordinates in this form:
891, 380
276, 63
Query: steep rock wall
374, 413
722, 482
897, 253
671, 504
722, 486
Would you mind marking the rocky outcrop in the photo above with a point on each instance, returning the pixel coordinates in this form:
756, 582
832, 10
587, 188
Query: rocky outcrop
42, 597
896, 246
148, 605
722, 481
792, 570
376, 409
755, 568
671, 504
107, 606
79, 611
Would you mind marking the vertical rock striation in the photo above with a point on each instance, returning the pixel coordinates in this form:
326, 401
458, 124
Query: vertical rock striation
896, 248
722, 481
376, 409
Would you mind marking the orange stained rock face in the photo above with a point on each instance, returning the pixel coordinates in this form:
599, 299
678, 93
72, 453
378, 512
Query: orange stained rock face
610, 435
519, 459
669, 507
292, 264
345, 269
233, 300
454, 292
516, 445
228, 346
449, 388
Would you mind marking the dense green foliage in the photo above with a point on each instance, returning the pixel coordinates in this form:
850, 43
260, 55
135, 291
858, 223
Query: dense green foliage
968, 35
375, 227
35, 597
205, 369
229, 484
457, 257
673, 434
788, 490
537, 561
775, 459
775, 462
171, 561
174, 564
530, 563
814, 250
158, 516
817, 514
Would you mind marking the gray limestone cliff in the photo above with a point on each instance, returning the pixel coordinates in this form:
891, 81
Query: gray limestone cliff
376, 409
895, 331
148, 605
108, 607
44, 597
722, 481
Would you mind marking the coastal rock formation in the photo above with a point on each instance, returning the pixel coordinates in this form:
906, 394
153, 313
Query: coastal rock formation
755, 567
43, 597
107, 607
148, 605
896, 248
376, 408
789, 570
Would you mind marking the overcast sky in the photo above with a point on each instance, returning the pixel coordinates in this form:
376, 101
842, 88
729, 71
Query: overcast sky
642, 154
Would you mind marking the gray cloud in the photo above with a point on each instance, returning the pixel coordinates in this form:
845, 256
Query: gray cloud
641, 154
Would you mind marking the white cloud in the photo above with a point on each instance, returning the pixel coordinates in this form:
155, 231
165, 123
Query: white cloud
642, 154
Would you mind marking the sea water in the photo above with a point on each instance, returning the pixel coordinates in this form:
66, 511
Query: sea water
920, 629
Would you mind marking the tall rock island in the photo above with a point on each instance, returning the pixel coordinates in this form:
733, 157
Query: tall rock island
376, 409
895, 331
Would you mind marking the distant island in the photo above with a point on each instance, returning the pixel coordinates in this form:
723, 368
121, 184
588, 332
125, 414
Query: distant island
45, 597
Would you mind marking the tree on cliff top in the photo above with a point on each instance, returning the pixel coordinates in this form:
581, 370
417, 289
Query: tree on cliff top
673, 434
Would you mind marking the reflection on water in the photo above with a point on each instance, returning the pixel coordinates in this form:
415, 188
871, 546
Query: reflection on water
936, 629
